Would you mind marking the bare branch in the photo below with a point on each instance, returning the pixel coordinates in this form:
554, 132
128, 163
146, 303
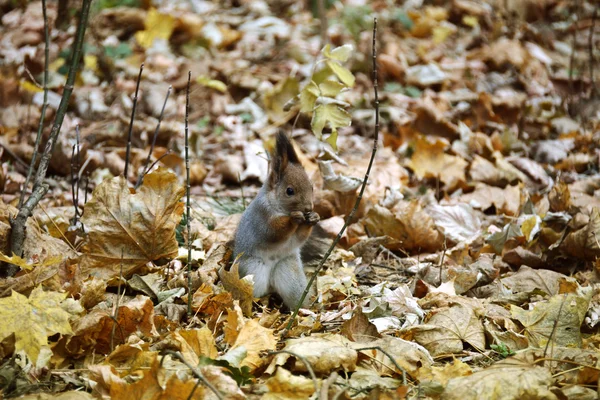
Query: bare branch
135, 99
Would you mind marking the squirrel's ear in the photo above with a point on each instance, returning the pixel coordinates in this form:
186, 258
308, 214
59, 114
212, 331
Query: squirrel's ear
283, 154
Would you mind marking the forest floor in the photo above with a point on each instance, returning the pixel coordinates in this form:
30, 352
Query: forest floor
469, 270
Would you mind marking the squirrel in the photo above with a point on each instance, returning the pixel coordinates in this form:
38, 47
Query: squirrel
275, 226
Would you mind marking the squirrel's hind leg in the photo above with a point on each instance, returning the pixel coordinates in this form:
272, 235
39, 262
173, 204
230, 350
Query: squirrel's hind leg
288, 280
255, 266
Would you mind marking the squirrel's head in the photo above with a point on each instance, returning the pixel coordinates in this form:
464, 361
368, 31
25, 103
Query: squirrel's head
287, 180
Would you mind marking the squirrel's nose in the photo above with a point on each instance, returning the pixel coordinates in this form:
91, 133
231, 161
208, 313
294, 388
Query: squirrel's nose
308, 209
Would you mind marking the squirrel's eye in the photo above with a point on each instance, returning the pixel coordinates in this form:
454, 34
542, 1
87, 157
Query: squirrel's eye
289, 191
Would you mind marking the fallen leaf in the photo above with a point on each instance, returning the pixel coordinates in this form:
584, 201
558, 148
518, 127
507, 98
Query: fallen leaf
241, 288
127, 230
459, 223
558, 319
33, 319
410, 225
157, 26
255, 339
509, 379
448, 328
325, 353
429, 160
285, 386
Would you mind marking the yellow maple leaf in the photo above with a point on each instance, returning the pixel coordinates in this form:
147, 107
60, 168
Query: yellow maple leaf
157, 26
255, 339
23, 264
33, 319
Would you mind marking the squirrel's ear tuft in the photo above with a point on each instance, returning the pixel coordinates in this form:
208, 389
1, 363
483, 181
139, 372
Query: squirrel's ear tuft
283, 154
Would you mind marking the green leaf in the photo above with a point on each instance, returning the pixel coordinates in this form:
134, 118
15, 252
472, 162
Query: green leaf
241, 375
212, 83
331, 88
332, 139
341, 53
330, 114
342, 73
308, 97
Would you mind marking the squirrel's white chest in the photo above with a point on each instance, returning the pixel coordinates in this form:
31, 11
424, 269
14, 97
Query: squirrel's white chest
273, 255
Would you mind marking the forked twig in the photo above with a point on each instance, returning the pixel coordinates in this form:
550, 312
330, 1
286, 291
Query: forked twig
135, 99
38, 138
360, 194
187, 185
17, 236
146, 169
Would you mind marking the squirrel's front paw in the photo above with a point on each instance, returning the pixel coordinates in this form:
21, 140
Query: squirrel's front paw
297, 216
312, 218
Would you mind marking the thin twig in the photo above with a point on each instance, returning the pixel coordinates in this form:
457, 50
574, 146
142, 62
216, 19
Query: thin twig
442, 260
77, 175
16, 158
306, 364
17, 236
196, 372
573, 45
591, 51
116, 313
160, 117
87, 187
73, 185
360, 195
157, 161
323, 21
390, 357
135, 99
38, 138
187, 185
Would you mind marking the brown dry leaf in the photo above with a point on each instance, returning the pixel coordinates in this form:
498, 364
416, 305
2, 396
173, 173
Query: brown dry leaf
368, 380
93, 291
325, 353
444, 373
584, 243
508, 379
240, 289
129, 229
410, 225
409, 355
255, 339
528, 279
504, 53
224, 231
429, 160
131, 356
559, 318
459, 223
285, 386
95, 329
560, 197
151, 386
448, 328
359, 328
70, 395
507, 200
222, 382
